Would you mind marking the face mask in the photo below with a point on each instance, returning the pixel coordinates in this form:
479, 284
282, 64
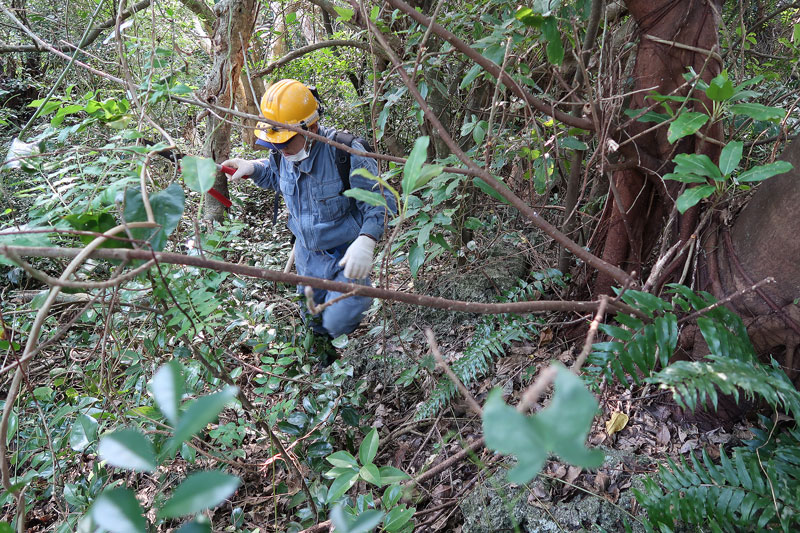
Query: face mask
299, 156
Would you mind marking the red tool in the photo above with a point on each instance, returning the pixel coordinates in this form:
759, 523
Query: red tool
221, 198
175, 157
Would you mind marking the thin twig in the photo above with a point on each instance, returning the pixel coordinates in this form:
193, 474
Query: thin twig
727, 299
587, 345
476, 408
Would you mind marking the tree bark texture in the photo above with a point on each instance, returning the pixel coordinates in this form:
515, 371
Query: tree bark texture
639, 202
232, 30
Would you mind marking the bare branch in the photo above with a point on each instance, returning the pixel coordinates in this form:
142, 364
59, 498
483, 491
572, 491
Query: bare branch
319, 283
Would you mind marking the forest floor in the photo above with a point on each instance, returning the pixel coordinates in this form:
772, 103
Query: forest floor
386, 373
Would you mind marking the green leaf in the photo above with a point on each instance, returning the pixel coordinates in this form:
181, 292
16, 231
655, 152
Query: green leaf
199, 491
699, 164
97, 222
368, 197
687, 123
730, 157
167, 388
195, 527
365, 522
685, 178
200, 413
397, 518
692, 196
342, 458
758, 111
479, 131
574, 144
84, 432
127, 448
555, 48
720, 88
118, 511
649, 116
482, 185
763, 172
413, 166
198, 173
369, 447
390, 474
560, 428
167, 210
370, 474
18, 237
345, 14
473, 73
416, 258
341, 485
528, 17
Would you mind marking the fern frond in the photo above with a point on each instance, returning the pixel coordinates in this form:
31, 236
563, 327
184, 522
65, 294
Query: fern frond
732, 496
695, 383
492, 335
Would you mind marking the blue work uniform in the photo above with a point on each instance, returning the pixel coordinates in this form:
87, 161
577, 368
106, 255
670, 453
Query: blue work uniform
325, 222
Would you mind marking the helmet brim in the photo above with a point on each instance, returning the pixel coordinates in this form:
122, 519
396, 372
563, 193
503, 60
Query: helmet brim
268, 134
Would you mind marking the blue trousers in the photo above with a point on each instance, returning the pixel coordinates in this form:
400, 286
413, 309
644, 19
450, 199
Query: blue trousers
345, 315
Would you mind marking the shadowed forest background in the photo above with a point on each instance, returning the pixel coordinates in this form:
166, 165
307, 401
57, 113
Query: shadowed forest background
585, 311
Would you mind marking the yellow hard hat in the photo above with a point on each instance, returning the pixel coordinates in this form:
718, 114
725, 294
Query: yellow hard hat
289, 102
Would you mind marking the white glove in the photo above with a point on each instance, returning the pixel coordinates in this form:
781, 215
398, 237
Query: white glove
244, 168
357, 260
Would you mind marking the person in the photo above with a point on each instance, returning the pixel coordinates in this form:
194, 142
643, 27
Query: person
335, 236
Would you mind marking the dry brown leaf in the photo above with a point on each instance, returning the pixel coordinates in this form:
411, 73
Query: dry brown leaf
572, 473
663, 436
601, 481
688, 446
616, 423
546, 336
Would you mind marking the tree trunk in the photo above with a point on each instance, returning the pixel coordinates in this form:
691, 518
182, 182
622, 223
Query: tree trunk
763, 242
232, 31
639, 202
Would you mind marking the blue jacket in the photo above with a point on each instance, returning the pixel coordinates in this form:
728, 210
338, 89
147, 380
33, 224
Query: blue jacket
320, 216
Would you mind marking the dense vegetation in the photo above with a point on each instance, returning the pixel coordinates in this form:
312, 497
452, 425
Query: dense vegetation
557, 165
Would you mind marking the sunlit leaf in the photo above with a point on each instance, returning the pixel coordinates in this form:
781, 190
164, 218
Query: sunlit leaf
167, 388
127, 448
198, 173
118, 511
84, 432
560, 428
199, 491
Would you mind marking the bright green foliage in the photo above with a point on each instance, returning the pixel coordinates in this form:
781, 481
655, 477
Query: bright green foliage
561, 428
754, 488
117, 509
167, 206
745, 492
637, 348
199, 491
347, 471
489, 341
697, 383
198, 173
